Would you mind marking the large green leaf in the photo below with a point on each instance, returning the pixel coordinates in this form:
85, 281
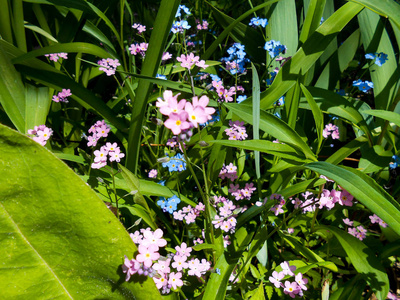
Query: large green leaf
38, 102
363, 260
364, 189
58, 238
308, 54
386, 115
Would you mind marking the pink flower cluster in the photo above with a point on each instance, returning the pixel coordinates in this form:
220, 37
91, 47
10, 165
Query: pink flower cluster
359, 232
309, 202
184, 115
229, 172
188, 61
41, 134
113, 152
329, 199
62, 96
167, 272
203, 25
331, 129
236, 131
140, 28
108, 65
99, 129
224, 95
57, 56
294, 288
136, 49
277, 209
189, 213
375, 219
225, 219
241, 194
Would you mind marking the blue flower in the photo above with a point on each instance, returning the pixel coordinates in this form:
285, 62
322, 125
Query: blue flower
364, 86
281, 101
396, 163
380, 58
236, 55
274, 48
277, 115
215, 77
185, 10
162, 202
159, 76
162, 182
218, 271
271, 79
258, 22
241, 98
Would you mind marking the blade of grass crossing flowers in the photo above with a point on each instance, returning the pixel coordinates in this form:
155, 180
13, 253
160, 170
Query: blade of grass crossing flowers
12, 97
364, 189
318, 115
256, 118
363, 260
308, 54
158, 39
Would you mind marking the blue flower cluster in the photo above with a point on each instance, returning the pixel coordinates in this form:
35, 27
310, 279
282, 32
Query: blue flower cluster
169, 205
396, 163
274, 48
258, 22
271, 79
180, 25
364, 86
241, 98
380, 58
185, 10
236, 56
176, 163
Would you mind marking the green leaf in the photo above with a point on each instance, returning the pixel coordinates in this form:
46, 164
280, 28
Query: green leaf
40, 31
273, 126
308, 54
57, 235
256, 116
364, 189
259, 294
313, 19
38, 103
374, 159
12, 97
363, 260
317, 113
390, 116
347, 149
280, 150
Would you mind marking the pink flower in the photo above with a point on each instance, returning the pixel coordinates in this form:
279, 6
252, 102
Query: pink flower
291, 288
161, 281
102, 131
187, 61
180, 262
116, 155
286, 269
290, 230
175, 279
276, 278
348, 222
183, 250
301, 281
162, 266
100, 155
130, 267
166, 56
153, 238
346, 198
153, 173
202, 64
177, 122
147, 255
196, 114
